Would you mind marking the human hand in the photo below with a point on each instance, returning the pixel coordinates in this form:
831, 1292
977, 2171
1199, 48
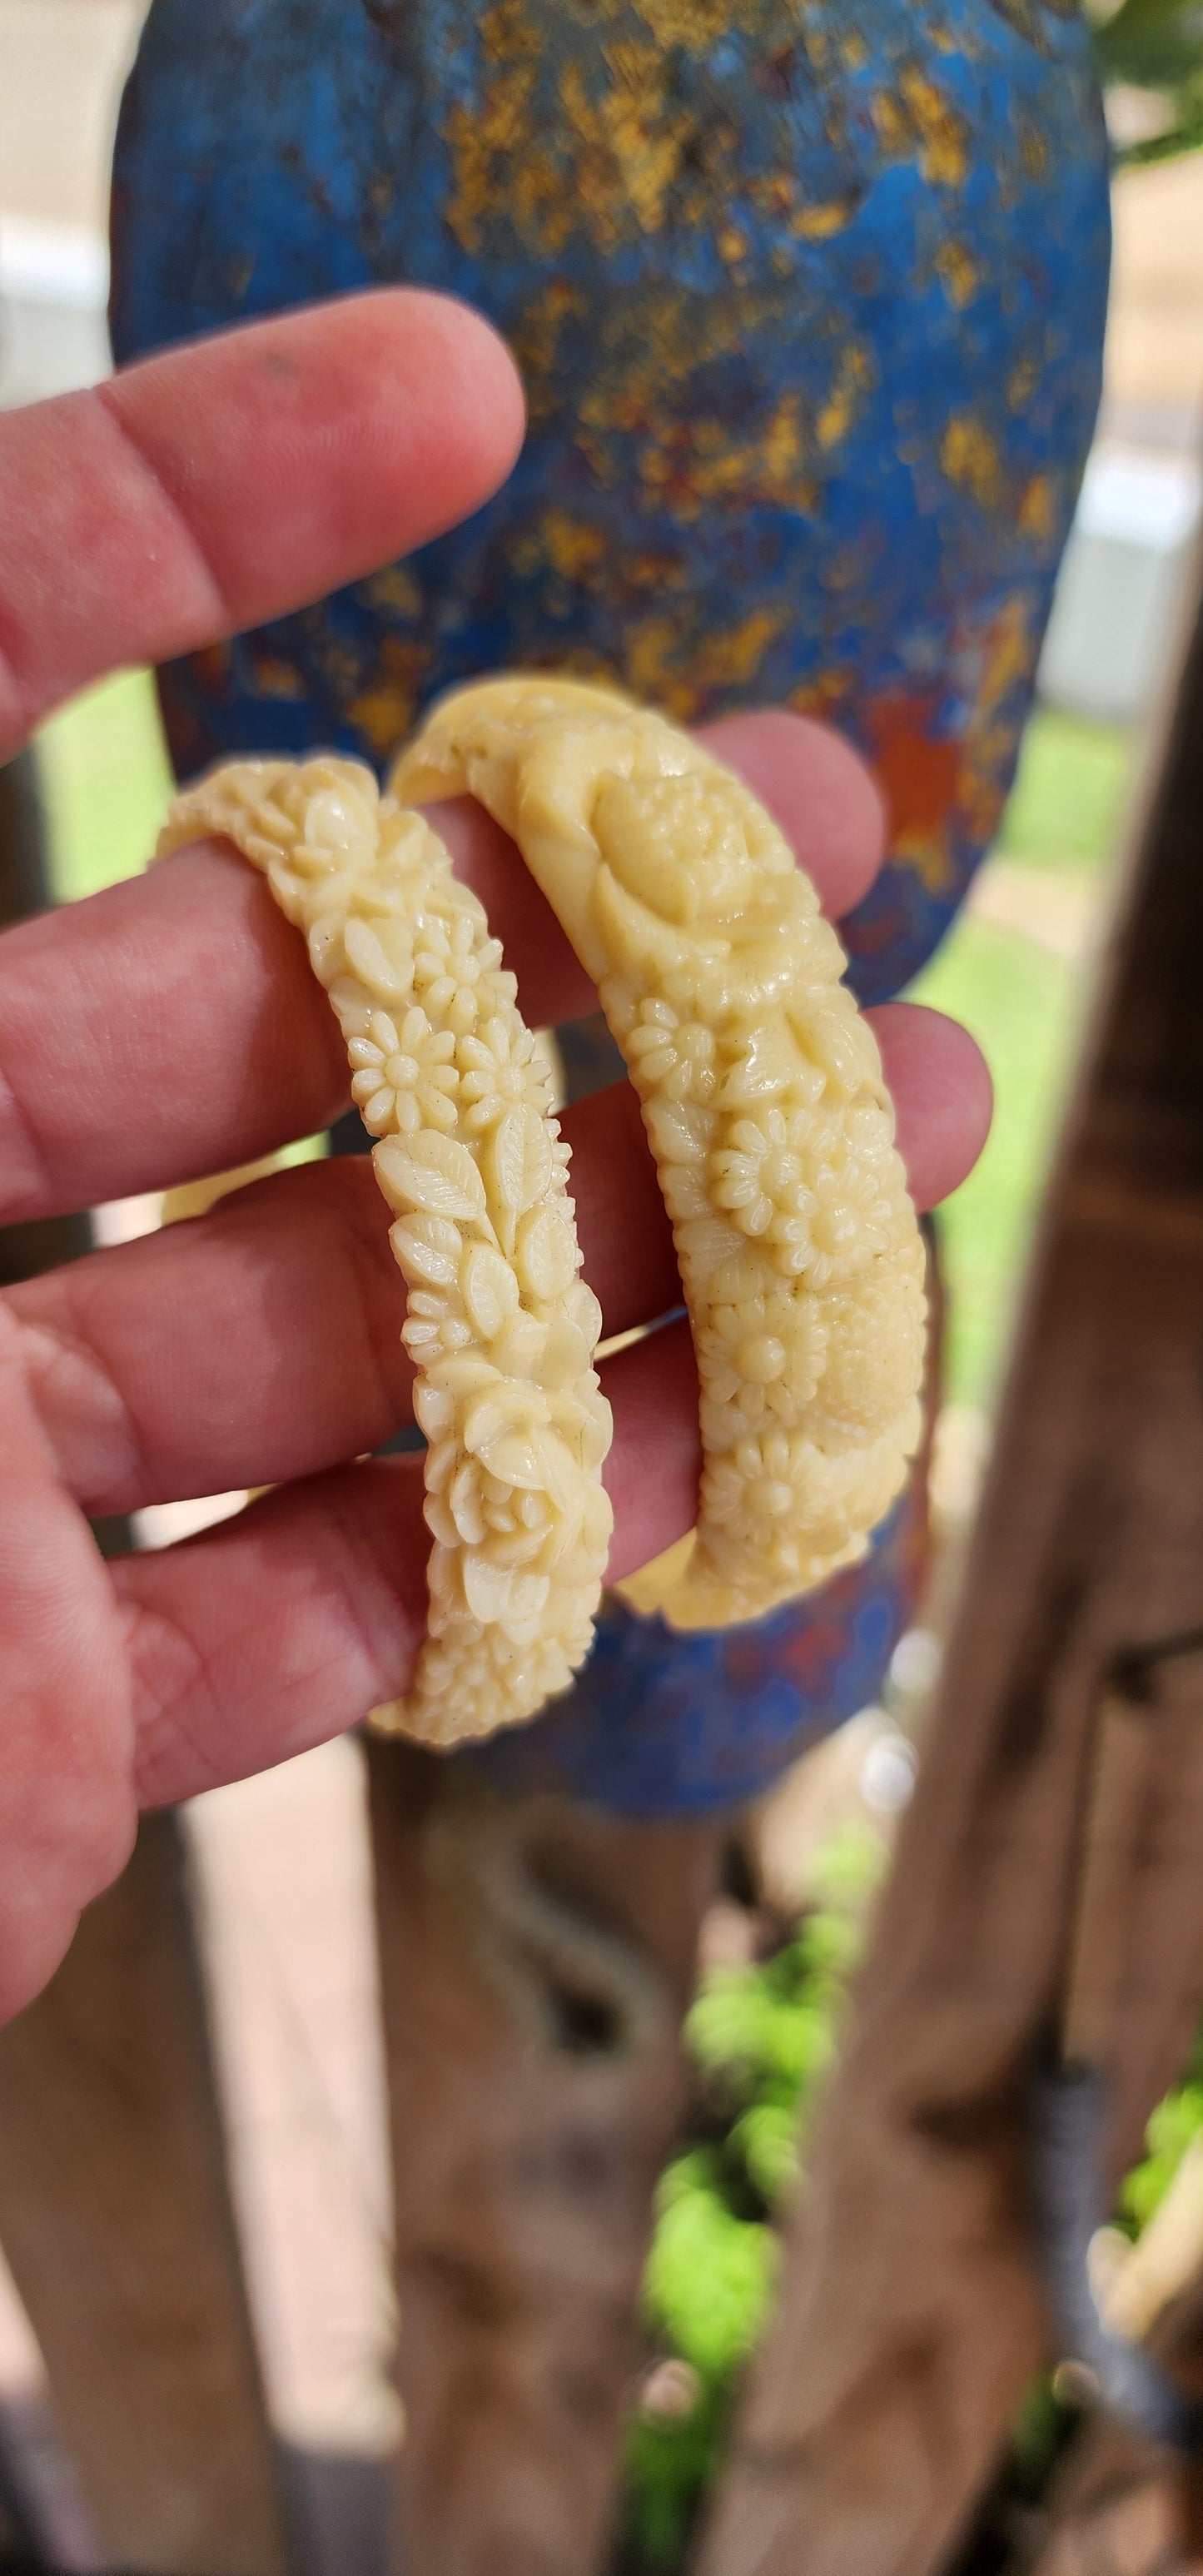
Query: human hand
172, 1027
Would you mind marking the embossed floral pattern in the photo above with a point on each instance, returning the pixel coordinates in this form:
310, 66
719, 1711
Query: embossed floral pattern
753, 1494
763, 1101
499, 1073
764, 1358
672, 1055
765, 1108
500, 1328
404, 1077
760, 1173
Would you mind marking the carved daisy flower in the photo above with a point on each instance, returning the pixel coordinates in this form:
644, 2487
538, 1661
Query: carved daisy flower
751, 1494
718, 1343
450, 958
758, 1175
404, 1077
432, 1327
676, 1054
766, 1356
500, 1070
855, 1214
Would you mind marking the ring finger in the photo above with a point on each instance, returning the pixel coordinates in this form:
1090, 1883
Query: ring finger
261, 1342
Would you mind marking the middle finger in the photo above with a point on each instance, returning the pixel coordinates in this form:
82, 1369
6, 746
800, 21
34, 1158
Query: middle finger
261, 1342
172, 1026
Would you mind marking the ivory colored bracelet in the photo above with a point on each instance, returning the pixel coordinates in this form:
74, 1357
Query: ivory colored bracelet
501, 1330
765, 1108
772, 1133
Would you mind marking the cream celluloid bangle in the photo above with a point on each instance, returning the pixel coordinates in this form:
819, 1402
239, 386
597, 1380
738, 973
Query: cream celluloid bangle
772, 1132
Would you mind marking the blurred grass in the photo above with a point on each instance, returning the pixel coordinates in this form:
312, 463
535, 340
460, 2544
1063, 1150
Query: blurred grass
1024, 1004
104, 780
1072, 782
1024, 1008
105, 783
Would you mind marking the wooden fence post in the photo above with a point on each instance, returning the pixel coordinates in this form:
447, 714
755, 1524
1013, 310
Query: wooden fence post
911, 2313
114, 2209
115, 2218
536, 1958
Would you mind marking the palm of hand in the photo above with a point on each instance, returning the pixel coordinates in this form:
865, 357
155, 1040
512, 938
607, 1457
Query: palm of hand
171, 1028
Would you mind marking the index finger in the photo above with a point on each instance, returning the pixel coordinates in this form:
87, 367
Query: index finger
173, 1026
224, 483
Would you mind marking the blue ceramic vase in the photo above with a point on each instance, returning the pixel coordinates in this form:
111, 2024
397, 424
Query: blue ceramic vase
809, 299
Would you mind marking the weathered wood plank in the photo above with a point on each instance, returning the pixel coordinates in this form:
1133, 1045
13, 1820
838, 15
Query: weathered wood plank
911, 2313
115, 2219
536, 1958
113, 2205
1117, 2510
1121, 2501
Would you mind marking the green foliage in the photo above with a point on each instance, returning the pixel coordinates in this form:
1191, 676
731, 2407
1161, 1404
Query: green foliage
1157, 45
1176, 2121
668, 2467
1071, 787
1023, 1005
104, 779
1023, 1002
1152, 43
762, 2037
710, 2271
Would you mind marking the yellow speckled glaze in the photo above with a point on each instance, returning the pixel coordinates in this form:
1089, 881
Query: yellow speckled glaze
807, 295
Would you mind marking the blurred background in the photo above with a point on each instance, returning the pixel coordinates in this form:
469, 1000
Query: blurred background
282, 1862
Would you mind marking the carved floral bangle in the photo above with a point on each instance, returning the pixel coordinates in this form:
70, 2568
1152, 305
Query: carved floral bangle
764, 1104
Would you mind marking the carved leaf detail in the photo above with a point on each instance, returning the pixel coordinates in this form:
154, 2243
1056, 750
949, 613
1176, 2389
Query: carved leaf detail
835, 1037
343, 813
536, 1460
546, 1253
528, 1596
500, 1411
514, 1457
520, 1159
487, 1586
287, 885
434, 1411
677, 1134
489, 1290
706, 1241
635, 939
465, 1507
766, 1064
428, 1248
326, 947
559, 1473
381, 953
430, 1172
